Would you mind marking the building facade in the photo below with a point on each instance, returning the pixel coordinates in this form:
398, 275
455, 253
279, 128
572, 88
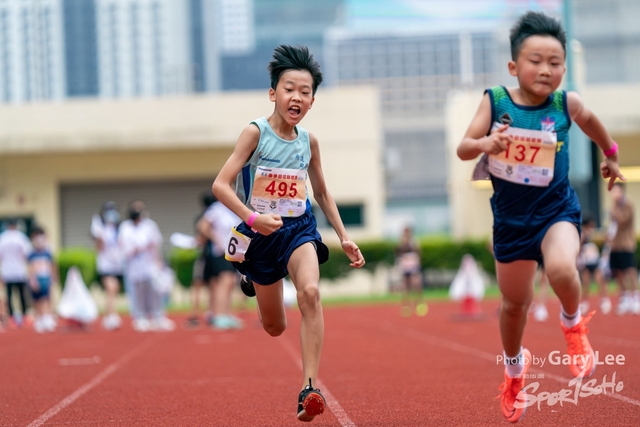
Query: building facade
31, 51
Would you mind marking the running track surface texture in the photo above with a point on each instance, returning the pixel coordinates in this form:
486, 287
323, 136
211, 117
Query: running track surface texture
378, 369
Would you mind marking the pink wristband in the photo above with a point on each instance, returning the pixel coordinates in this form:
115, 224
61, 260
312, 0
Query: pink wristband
252, 218
611, 151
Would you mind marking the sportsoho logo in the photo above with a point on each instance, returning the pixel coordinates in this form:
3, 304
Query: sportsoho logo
577, 387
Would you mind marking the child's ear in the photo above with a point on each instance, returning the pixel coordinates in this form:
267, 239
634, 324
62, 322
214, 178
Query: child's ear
311, 104
272, 95
513, 68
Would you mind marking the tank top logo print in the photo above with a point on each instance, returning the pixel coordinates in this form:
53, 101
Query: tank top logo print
548, 124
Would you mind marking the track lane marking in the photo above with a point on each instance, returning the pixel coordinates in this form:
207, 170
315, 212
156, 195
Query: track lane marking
461, 348
104, 374
332, 402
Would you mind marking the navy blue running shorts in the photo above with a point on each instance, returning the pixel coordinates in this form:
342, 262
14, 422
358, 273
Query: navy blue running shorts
267, 257
524, 243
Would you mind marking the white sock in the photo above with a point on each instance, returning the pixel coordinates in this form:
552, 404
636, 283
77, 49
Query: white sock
514, 365
569, 320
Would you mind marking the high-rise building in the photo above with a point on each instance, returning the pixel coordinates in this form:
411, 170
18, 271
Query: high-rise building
31, 51
275, 22
136, 39
81, 49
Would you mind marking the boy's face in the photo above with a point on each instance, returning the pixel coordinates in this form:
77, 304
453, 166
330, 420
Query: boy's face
540, 65
293, 95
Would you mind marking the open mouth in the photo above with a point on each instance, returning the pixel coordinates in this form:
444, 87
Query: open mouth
294, 111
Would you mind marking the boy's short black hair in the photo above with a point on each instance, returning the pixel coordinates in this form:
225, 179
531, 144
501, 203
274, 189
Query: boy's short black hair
287, 58
37, 230
535, 24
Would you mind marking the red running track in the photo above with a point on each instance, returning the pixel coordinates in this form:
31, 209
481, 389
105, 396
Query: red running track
378, 369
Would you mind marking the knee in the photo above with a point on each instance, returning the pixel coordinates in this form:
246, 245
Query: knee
309, 297
562, 273
275, 329
516, 308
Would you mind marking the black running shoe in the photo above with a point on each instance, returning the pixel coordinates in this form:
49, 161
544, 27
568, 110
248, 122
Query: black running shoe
310, 403
247, 286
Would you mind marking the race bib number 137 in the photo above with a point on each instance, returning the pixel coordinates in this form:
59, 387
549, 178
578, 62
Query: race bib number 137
529, 160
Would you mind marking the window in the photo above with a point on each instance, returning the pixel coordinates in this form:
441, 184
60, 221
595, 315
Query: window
352, 215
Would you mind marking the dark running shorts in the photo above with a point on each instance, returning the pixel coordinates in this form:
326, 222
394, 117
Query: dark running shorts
267, 256
621, 260
514, 244
43, 290
214, 266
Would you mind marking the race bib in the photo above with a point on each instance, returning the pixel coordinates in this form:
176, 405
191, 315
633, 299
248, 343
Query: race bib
279, 191
236, 246
529, 160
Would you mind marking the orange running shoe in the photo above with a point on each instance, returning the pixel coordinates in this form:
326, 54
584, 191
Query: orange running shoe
511, 392
582, 355
310, 403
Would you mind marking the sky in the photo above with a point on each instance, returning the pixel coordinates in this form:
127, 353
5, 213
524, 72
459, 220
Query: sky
439, 14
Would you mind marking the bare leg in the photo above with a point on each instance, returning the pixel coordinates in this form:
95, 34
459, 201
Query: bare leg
560, 248
305, 273
222, 293
111, 286
515, 280
271, 308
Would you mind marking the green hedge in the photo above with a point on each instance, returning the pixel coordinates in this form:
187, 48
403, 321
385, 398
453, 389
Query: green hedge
84, 259
181, 261
436, 253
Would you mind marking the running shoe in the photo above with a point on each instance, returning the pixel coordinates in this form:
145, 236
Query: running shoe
513, 399
247, 286
605, 305
310, 403
580, 351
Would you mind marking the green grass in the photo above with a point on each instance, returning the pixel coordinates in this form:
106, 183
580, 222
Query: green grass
435, 294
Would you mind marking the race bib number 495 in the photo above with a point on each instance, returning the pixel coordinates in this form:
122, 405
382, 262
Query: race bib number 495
529, 160
279, 191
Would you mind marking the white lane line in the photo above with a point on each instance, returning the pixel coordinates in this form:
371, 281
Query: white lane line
332, 402
451, 345
88, 386
79, 361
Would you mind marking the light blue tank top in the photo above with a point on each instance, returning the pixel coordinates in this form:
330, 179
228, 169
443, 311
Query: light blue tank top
274, 152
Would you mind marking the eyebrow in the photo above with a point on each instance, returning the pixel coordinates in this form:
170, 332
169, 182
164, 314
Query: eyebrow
293, 83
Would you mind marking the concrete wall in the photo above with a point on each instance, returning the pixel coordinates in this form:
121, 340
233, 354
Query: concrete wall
45, 145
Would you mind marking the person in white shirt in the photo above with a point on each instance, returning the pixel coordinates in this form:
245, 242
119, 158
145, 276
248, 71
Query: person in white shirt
15, 248
140, 240
216, 224
104, 230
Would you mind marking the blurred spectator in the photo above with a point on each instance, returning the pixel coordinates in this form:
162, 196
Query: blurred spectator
104, 229
199, 266
42, 274
623, 249
590, 268
140, 240
408, 262
14, 250
216, 224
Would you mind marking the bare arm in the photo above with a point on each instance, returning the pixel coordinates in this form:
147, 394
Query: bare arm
328, 205
223, 185
476, 141
595, 130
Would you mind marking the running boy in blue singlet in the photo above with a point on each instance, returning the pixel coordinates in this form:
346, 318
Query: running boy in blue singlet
524, 135
278, 236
